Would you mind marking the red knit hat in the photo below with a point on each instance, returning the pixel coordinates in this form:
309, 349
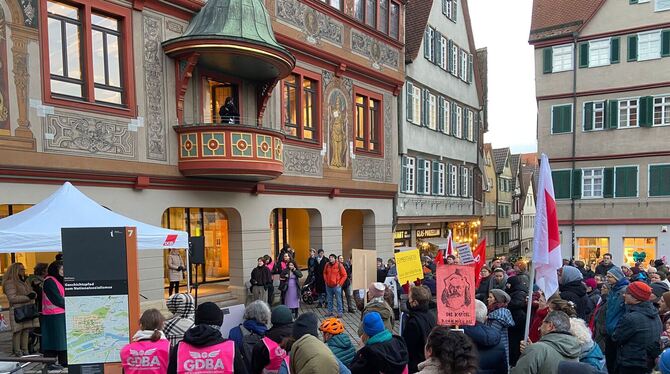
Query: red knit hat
591, 282
639, 290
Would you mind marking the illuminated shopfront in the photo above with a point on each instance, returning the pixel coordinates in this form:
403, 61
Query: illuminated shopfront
591, 250
465, 232
638, 249
28, 259
290, 226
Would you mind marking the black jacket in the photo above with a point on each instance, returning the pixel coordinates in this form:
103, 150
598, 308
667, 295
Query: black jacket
517, 288
389, 357
320, 283
575, 291
602, 269
205, 336
488, 340
638, 336
482, 292
586, 273
261, 276
347, 268
420, 321
260, 356
284, 278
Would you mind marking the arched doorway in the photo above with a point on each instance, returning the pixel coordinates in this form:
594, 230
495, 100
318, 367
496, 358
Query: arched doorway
358, 230
297, 227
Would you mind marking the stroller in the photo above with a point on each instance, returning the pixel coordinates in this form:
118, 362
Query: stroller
307, 291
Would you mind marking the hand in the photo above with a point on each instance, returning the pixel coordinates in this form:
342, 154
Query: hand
524, 344
32, 295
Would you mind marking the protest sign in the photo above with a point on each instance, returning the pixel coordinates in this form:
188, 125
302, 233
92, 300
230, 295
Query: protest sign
465, 253
233, 316
391, 283
364, 268
456, 295
409, 266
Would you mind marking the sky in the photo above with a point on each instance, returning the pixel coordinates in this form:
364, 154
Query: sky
503, 27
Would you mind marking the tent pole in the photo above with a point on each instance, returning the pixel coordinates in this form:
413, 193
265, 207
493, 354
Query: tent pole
188, 272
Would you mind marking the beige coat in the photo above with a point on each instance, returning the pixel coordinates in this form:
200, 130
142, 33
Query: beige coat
17, 295
430, 366
174, 262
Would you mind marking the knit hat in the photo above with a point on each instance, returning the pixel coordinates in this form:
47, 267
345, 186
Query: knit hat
373, 324
639, 290
500, 296
664, 362
616, 273
306, 323
570, 274
208, 314
376, 289
591, 282
281, 315
658, 289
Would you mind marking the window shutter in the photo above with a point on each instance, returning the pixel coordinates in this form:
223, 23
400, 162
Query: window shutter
659, 175
626, 181
470, 71
614, 50
547, 60
577, 184
561, 181
466, 115
403, 174
665, 43
584, 55
440, 113
461, 185
612, 114
453, 119
588, 116
450, 56
632, 47
475, 128
437, 50
426, 44
646, 111
632, 1
424, 107
420, 176
410, 100
470, 177
608, 182
436, 178
444, 7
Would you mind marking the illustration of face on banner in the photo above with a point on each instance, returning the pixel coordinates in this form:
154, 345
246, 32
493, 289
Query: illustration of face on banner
456, 295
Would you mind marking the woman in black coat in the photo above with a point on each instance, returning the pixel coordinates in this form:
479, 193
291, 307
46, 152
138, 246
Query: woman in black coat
517, 288
482, 292
572, 288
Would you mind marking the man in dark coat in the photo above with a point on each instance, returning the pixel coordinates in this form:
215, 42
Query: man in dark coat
420, 321
573, 289
638, 331
488, 341
586, 273
517, 289
605, 265
319, 282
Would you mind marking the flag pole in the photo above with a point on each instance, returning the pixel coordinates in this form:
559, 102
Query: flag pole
530, 300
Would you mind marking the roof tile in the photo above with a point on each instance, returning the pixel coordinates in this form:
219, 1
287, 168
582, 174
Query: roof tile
499, 157
556, 18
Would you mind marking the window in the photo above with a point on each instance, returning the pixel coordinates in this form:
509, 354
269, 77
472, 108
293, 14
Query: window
594, 115
660, 5
648, 45
592, 249
408, 170
465, 179
371, 13
359, 10
662, 111
659, 175
91, 72
454, 59
438, 178
453, 180
301, 107
383, 15
562, 58
368, 123
562, 183
444, 55
337, 4
625, 181
628, 113
423, 177
592, 183
638, 248
561, 119
471, 125
464, 66
599, 52
432, 111
416, 104
446, 116
459, 121
395, 20
429, 44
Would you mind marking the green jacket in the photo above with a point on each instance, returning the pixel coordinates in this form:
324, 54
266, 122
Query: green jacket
342, 348
384, 310
309, 355
544, 356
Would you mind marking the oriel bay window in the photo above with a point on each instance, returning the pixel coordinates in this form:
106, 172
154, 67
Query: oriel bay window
368, 119
383, 15
301, 107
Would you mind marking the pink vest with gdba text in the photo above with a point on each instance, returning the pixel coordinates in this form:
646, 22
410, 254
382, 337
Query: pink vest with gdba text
277, 354
49, 308
216, 358
146, 357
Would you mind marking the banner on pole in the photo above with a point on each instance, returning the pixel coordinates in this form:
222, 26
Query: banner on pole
409, 266
456, 290
465, 253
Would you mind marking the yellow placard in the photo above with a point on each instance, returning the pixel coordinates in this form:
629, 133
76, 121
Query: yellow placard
409, 266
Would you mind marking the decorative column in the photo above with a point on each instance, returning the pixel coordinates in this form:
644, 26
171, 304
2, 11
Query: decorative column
21, 36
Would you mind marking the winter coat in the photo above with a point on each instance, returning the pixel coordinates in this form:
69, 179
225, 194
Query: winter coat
494, 284
284, 278
420, 321
52, 326
17, 292
182, 307
383, 308
237, 336
430, 366
599, 325
569, 367
638, 335
347, 268
260, 357
575, 291
382, 353
595, 297
544, 356
320, 284
482, 292
261, 276
602, 269
501, 319
586, 273
490, 347
342, 348
309, 355
205, 336
175, 262
518, 292
593, 356
334, 275
615, 305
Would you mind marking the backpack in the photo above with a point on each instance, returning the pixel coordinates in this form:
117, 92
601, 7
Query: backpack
249, 341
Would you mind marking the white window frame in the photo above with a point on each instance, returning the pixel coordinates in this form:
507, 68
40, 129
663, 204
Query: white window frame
561, 58
431, 44
416, 105
453, 180
657, 8
447, 8
465, 181
410, 166
440, 174
591, 175
662, 102
628, 109
471, 125
464, 65
432, 111
446, 116
599, 52
652, 47
426, 178
444, 55
598, 107
454, 57
459, 121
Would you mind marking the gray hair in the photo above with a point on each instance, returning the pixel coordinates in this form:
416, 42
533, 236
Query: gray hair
560, 320
259, 311
480, 311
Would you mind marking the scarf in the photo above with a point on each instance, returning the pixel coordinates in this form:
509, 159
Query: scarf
496, 306
145, 335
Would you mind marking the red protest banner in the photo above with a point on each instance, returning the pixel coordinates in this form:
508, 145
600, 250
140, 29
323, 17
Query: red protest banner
456, 291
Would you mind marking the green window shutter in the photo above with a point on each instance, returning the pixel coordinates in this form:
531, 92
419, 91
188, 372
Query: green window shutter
410, 100
426, 44
403, 174
420, 176
440, 113
588, 116
646, 111
436, 178
424, 107
453, 118
584, 55
659, 175
561, 181
612, 114
577, 184
454, 10
475, 129
470, 68
561, 117
436, 48
608, 182
632, 1
466, 114
632, 47
626, 181
665, 43
450, 58
547, 56
614, 50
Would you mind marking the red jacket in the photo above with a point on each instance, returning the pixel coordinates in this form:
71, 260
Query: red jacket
334, 274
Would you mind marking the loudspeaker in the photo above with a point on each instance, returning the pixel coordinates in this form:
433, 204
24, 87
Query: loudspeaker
197, 248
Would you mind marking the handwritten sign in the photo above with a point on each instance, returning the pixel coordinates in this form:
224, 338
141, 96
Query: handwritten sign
409, 266
465, 253
456, 295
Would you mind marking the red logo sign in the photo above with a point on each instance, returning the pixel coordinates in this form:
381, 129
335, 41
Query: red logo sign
170, 240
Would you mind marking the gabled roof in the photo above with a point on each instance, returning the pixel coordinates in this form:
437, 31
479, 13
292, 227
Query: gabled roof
515, 165
500, 156
556, 18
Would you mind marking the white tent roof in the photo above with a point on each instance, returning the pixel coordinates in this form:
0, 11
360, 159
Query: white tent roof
38, 229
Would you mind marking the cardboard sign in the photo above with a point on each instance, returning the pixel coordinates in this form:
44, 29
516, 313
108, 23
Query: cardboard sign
363, 268
232, 317
465, 253
391, 283
456, 295
409, 266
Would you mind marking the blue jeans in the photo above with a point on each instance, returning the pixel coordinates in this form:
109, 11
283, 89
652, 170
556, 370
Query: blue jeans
337, 293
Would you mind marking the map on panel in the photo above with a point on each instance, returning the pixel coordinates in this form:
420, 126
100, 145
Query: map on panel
97, 328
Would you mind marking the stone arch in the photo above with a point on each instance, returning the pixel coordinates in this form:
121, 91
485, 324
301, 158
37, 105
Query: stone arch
16, 11
358, 230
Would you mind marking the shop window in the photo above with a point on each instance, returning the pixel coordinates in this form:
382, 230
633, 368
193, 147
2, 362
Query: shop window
591, 250
638, 250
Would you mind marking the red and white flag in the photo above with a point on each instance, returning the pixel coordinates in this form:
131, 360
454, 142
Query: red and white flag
480, 259
450, 245
546, 243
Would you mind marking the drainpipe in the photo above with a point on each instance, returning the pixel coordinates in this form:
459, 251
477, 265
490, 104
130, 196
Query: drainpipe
400, 148
574, 137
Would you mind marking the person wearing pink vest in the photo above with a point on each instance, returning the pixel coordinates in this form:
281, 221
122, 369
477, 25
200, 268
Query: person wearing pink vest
267, 355
149, 351
204, 350
52, 322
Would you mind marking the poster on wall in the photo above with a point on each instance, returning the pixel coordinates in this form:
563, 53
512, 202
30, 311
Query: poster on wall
456, 295
364, 268
409, 266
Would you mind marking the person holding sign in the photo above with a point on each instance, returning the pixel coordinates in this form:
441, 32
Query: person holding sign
149, 351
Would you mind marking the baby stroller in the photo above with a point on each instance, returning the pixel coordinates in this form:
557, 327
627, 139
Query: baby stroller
307, 291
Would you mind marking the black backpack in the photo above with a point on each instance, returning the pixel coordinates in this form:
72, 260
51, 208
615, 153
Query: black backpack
249, 341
